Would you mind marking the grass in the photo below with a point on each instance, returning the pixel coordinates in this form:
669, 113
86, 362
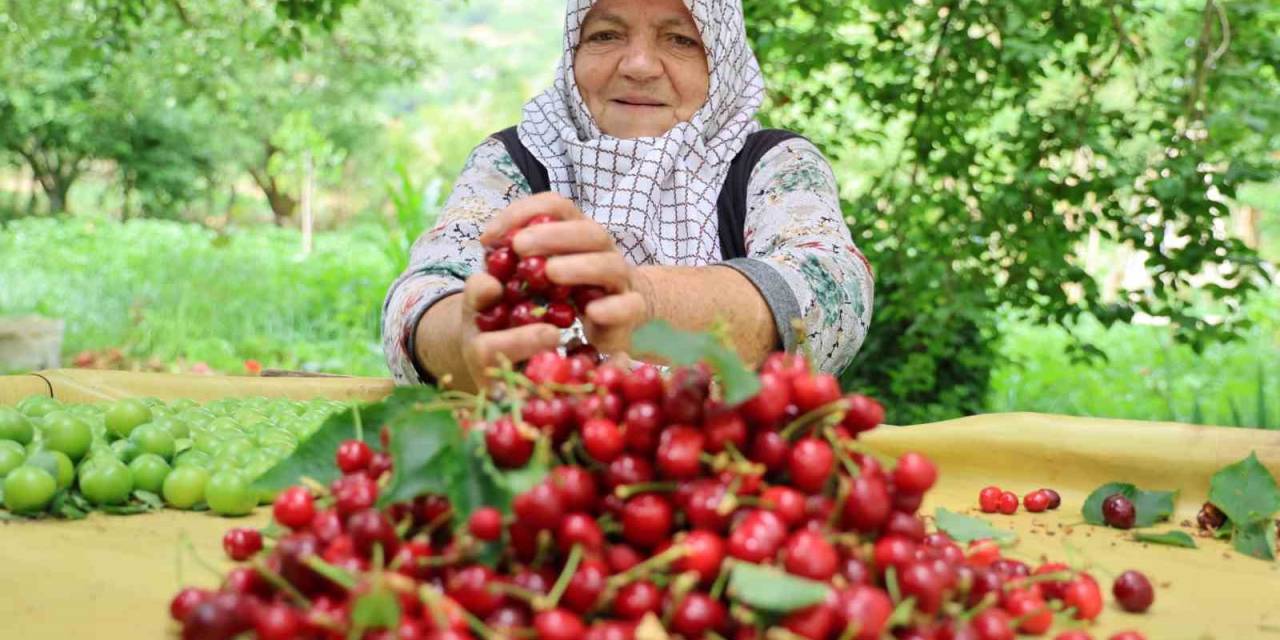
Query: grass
1148, 376
183, 294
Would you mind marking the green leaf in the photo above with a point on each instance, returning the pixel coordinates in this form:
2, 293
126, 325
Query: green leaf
1256, 538
314, 457
130, 509
964, 528
1150, 507
773, 590
684, 348
149, 499
1245, 491
65, 506
1171, 538
419, 438
377, 609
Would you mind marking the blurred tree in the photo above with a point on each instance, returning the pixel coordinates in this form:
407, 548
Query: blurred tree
981, 142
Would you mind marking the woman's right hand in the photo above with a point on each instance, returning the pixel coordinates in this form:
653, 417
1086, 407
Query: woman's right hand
484, 349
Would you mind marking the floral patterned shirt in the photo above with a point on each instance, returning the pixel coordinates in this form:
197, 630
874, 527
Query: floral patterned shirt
800, 254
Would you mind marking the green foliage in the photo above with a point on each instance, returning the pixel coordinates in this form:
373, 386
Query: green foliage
773, 590
981, 143
1171, 538
686, 349
964, 528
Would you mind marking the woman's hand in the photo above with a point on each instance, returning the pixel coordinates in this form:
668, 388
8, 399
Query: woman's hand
481, 350
580, 252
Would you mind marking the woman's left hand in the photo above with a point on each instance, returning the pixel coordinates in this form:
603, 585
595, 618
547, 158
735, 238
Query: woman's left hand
580, 252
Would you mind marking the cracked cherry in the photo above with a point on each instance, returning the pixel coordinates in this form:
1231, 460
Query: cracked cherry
241, 543
1133, 591
810, 464
1118, 511
353, 456
294, 508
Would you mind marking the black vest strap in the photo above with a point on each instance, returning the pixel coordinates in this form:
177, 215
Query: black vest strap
731, 205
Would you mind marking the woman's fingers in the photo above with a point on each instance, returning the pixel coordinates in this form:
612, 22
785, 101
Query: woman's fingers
519, 212
480, 292
516, 345
626, 309
557, 238
606, 269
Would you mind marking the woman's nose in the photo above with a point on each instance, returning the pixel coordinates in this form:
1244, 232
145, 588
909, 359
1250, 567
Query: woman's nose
640, 61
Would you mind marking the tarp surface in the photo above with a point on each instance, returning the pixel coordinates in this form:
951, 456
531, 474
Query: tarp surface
111, 577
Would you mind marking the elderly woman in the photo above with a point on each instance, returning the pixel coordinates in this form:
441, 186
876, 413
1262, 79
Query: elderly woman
665, 191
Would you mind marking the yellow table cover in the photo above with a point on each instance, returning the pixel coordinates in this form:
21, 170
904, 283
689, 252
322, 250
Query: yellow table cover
111, 577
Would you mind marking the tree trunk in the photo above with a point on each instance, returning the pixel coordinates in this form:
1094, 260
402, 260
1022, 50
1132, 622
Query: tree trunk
282, 204
55, 176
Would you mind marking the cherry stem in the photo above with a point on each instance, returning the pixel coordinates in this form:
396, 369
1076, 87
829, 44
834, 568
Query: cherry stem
562, 582
431, 599
842, 496
779, 633
280, 583
673, 553
721, 580
521, 593
336, 575
843, 457
891, 584
680, 587
814, 415
355, 412
439, 520
544, 548
478, 625
851, 631
625, 491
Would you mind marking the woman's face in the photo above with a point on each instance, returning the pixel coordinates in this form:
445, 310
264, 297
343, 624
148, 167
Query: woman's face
641, 67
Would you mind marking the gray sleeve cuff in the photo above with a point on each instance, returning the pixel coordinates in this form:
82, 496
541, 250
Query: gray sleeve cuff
776, 293
411, 340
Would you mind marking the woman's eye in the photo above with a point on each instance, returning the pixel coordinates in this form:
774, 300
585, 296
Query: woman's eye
602, 36
685, 41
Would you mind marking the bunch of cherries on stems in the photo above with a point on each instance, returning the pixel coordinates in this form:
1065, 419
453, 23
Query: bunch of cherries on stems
657, 489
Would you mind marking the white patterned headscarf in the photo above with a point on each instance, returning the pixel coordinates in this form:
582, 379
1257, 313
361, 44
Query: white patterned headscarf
656, 195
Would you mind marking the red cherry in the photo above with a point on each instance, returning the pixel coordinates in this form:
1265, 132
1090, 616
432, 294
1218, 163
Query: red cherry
809, 555
646, 520
1030, 608
485, 524
786, 502
186, 600
371, 528
469, 587
867, 508
989, 499
501, 263
524, 314
380, 463
353, 456
1008, 504
579, 529
636, 599
893, 551
1127, 635
757, 537
1118, 511
642, 424
1133, 591
585, 295
864, 608
585, 586
353, 493
810, 464
770, 449
1084, 595
547, 367
723, 429
787, 365
533, 270
627, 469
294, 508
513, 293
703, 505
1036, 501
704, 553
621, 557
697, 614
905, 525
540, 507
862, 413
409, 560
1073, 634
577, 488
508, 447
241, 543
495, 318
811, 392
813, 623
602, 439
993, 624
560, 315
1054, 499
560, 293
644, 384
983, 553
918, 579
679, 453
770, 403
914, 473
559, 624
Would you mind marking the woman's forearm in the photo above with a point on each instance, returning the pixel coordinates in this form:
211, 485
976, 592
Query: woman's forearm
695, 298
